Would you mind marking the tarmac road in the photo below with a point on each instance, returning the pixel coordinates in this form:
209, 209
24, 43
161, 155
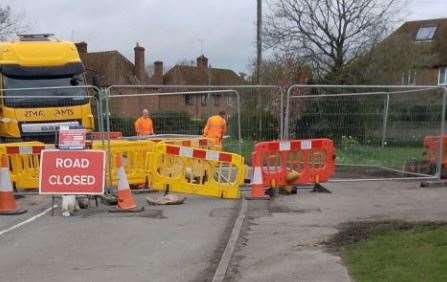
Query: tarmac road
163, 243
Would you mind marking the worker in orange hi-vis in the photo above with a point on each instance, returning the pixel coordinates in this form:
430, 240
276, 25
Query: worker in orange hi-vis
215, 128
144, 124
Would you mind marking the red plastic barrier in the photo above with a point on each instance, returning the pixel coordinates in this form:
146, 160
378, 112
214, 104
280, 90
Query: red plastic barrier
431, 144
312, 160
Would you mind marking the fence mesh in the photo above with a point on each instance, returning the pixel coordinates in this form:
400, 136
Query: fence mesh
186, 112
182, 112
260, 118
378, 132
377, 135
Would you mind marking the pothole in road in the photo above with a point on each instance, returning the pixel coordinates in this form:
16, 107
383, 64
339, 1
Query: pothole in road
147, 213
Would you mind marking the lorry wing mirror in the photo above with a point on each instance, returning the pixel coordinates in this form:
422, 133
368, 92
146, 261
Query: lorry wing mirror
74, 81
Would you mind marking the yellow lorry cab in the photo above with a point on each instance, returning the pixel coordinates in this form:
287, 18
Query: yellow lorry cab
55, 70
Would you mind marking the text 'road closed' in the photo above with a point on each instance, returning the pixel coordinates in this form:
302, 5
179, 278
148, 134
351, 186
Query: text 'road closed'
72, 172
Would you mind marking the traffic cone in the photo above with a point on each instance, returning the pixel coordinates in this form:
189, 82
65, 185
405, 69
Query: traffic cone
7, 200
257, 191
126, 202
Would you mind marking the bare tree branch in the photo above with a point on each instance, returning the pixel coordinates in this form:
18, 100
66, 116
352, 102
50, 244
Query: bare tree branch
9, 23
328, 34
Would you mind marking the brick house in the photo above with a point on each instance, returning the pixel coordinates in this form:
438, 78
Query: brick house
201, 74
430, 38
112, 68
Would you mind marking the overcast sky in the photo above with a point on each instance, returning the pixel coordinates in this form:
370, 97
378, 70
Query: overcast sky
170, 30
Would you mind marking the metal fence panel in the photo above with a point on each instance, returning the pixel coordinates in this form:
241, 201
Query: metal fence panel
379, 132
184, 109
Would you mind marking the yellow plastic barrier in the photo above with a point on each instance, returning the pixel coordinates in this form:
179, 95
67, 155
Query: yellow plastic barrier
195, 171
24, 162
195, 142
25, 158
134, 154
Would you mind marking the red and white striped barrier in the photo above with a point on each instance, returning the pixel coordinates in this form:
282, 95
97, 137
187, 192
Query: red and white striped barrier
26, 150
291, 145
198, 153
281, 152
197, 142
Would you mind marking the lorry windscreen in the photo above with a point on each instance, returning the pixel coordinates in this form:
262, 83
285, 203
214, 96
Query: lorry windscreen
15, 97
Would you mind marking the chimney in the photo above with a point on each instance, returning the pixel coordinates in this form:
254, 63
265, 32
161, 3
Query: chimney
139, 62
202, 62
82, 47
158, 73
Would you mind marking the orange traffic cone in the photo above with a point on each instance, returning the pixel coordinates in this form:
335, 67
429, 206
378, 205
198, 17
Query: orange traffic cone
126, 202
7, 200
257, 191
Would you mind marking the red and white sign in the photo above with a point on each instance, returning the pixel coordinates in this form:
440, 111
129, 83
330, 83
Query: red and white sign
72, 172
72, 139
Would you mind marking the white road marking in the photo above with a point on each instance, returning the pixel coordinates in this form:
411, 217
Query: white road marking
3, 232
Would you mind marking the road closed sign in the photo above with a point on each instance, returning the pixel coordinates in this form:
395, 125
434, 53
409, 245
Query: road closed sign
72, 172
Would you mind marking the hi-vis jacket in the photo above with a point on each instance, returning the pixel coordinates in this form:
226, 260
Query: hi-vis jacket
144, 126
215, 128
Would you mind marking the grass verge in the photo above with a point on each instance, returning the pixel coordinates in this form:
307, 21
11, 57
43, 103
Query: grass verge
394, 251
392, 157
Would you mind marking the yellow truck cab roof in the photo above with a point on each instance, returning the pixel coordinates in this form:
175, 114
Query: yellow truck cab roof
38, 53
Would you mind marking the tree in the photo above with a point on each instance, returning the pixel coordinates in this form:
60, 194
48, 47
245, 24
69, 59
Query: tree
328, 34
391, 61
9, 24
284, 69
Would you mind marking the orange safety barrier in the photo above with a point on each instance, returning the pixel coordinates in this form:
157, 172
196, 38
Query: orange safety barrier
294, 162
431, 144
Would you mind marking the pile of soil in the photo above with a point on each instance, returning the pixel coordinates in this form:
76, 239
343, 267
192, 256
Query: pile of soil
354, 232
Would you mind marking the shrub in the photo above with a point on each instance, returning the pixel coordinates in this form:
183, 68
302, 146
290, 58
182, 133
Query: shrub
250, 126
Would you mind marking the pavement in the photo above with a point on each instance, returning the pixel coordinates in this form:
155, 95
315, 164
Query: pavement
163, 243
282, 238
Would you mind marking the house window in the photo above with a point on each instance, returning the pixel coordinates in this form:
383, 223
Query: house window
442, 80
425, 33
188, 100
204, 100
409, 77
